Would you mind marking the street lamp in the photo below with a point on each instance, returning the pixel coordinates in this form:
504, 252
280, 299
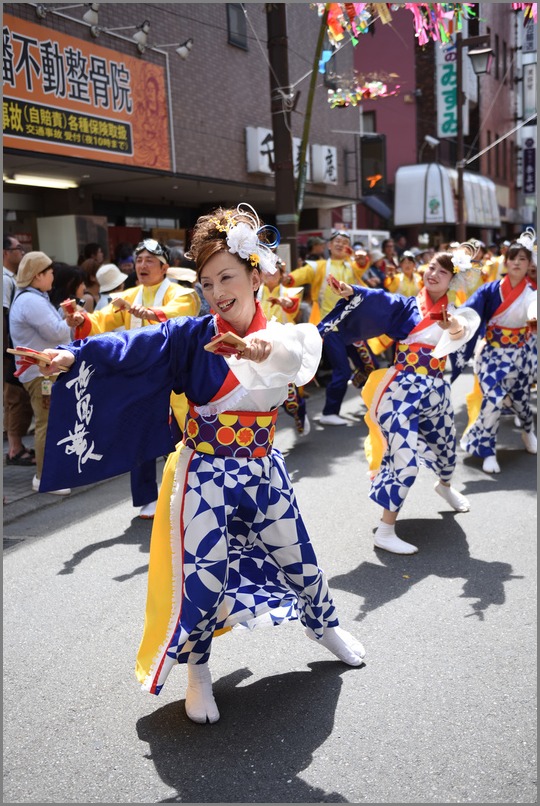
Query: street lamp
481, 56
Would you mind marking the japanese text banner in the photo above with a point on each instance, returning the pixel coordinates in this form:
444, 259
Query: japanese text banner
70, 97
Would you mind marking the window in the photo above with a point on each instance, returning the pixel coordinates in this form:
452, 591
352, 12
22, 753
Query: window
497, 156
236, 26
368, 122
373, 163
488, 153
504, 63
497, 55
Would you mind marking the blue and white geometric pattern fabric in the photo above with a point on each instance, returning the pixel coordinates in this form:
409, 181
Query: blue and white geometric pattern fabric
501, 373
416, 417
246, 553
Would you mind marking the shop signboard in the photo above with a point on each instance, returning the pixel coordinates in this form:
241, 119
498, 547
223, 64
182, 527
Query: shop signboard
72, 98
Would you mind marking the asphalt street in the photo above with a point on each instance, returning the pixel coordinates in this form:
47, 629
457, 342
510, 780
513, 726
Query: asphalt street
442, 711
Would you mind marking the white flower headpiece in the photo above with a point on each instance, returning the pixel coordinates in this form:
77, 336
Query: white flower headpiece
243, 238
462, 256
527, 239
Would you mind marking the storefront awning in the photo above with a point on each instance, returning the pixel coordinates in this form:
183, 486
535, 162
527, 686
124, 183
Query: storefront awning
378, 206
427, 194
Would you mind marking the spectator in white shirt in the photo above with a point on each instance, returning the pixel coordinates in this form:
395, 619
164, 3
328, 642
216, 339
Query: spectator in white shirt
37, 324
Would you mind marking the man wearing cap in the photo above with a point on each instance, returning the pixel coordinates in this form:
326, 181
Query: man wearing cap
35, 323
340, 266
315, 248
155, 299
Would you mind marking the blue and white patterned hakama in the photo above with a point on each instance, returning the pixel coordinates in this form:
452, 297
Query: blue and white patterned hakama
246, 552
501, 373
416, 417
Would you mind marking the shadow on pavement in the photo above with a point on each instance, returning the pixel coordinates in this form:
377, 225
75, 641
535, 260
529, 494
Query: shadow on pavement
266, 737
443, 552
137, 533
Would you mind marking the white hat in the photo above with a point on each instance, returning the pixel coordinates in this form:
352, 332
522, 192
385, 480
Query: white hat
182, 273
109, 277
375, 255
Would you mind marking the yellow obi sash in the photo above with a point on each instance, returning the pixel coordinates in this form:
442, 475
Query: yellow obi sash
418, 358
506, 336
246, 434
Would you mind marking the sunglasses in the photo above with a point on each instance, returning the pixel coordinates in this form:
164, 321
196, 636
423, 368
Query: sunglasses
14, 249
153, 247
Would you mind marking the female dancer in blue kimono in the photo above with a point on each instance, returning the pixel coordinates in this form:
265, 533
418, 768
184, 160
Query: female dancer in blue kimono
229, 546
505, 360
411, 403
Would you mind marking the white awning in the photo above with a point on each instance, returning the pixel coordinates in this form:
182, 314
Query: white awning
427, 194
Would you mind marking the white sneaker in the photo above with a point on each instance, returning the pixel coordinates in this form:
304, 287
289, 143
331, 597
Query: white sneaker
35, 487
491, 465
395, 545
463, 444
148, 511
517, 422
332, 419
529, 440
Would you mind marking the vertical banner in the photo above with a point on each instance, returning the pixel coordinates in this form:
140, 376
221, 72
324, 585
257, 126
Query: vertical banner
446, 90
529, 166
67, 96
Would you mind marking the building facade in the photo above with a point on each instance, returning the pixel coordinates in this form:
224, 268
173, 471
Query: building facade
156, 114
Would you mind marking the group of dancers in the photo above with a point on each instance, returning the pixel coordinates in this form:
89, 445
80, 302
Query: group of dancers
229, 547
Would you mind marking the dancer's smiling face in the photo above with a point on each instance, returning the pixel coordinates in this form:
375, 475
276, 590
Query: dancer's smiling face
437, 279
229, 288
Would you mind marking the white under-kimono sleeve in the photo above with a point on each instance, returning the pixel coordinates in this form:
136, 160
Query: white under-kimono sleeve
469, 320
294, 358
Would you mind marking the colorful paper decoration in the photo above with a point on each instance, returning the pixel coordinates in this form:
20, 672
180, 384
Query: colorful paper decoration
436, 21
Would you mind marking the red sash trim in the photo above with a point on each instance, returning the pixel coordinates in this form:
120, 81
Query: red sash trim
258, 322
427, 306
509, 294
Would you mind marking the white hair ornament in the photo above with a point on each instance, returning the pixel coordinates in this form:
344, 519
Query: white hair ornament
243, 238
527, 239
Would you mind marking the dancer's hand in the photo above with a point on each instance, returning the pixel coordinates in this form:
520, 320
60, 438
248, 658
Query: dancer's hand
339, 287
454, 324
61, 361
284, 302
256, 349
75, 319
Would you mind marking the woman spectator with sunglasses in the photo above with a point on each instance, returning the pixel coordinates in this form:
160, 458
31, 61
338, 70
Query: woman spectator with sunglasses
154, 299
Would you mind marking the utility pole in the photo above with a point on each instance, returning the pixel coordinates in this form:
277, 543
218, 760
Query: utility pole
307, 119
280, 102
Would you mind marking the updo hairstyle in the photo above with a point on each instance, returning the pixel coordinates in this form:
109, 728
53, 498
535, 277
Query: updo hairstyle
210, 237
444, 259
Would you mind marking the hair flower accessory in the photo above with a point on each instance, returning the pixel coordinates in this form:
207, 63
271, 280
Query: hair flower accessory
463, 255
244, 239
527, 239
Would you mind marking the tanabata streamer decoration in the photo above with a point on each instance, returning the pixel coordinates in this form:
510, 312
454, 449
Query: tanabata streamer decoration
528, 8
436, 21
352, 91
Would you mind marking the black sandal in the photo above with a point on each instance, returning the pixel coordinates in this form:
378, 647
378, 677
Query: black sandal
25, 458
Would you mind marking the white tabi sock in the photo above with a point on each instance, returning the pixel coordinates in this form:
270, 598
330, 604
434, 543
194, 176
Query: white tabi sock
455, 499
341, 644
387, 539
200, 703
491, 465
